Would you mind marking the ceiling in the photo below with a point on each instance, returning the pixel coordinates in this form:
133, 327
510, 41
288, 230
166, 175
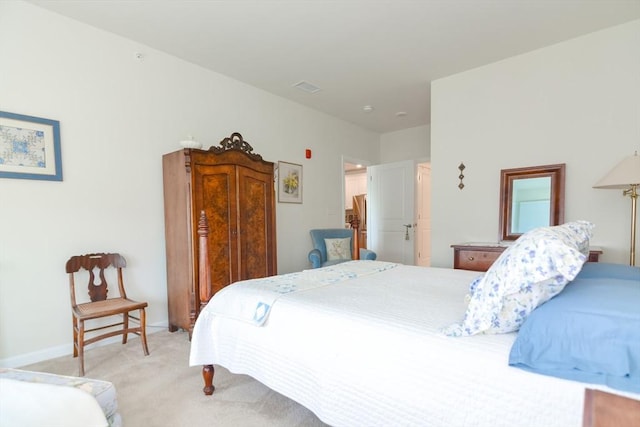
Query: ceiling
378, 53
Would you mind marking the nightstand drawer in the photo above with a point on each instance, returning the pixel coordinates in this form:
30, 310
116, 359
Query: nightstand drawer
473, 259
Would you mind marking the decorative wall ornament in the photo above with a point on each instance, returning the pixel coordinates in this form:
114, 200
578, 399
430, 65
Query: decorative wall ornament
461, 176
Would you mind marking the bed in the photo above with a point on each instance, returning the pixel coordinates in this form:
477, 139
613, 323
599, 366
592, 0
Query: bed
377, 343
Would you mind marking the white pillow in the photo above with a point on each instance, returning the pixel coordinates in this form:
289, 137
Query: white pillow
530, 272
338, 249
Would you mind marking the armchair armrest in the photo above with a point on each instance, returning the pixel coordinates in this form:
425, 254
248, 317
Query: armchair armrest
316, 258
367, 254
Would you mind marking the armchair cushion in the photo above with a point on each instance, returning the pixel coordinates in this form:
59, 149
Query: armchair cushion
338, 249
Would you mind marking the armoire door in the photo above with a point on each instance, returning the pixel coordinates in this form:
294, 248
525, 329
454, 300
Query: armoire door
255, 223
238, 203
215, 193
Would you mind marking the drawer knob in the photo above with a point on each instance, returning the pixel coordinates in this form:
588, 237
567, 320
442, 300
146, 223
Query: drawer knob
471, 258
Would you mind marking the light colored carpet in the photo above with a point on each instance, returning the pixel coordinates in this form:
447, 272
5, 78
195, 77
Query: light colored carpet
161, 390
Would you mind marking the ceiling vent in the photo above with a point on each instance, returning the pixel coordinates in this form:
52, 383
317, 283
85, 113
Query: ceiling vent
307, 87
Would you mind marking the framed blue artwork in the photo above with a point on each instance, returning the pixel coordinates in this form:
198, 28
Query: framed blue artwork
29, 147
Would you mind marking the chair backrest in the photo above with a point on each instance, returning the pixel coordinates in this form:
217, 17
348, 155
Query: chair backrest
318, 236
96, 263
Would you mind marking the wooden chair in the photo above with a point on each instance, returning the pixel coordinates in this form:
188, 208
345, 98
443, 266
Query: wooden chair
99, 305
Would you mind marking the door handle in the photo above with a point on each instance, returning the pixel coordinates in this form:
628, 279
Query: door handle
406, 231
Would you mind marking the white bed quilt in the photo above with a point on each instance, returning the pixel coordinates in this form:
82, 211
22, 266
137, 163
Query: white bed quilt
367, 352
254, 301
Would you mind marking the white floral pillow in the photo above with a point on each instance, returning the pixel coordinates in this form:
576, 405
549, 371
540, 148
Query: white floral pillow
338, 249
530, 272
577, 233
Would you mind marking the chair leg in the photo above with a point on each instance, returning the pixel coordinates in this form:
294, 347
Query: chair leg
81, 347
143, 331
75, 336
125, 326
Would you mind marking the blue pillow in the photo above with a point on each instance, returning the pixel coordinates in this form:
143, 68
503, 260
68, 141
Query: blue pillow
590, 332
614, 271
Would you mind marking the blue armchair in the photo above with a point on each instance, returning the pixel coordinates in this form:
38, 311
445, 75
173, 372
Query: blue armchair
318, 255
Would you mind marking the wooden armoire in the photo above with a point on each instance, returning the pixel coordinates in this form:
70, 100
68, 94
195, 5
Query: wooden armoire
234, 189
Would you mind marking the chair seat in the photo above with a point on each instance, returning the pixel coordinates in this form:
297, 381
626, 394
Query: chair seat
107, 307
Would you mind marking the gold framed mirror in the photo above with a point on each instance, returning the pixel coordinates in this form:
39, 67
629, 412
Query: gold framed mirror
530, 197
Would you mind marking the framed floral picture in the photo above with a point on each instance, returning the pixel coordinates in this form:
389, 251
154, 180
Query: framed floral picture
289, 183
29, 147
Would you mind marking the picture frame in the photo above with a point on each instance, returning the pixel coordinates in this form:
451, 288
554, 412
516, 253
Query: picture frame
29, 147
289, 182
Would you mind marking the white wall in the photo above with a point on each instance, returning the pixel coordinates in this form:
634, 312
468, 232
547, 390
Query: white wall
406, 144
576, 102
118, 115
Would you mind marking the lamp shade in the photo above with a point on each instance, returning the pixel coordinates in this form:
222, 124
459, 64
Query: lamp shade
624, 175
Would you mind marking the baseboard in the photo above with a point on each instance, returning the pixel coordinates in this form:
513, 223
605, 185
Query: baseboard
65, 350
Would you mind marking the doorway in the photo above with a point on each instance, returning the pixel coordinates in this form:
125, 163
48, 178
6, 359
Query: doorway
411, 243
354, 190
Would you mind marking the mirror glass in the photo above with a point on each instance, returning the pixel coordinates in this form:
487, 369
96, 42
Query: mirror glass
530, 197
530, 204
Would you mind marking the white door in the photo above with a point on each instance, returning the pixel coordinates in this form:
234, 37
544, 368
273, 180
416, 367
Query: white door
390, 223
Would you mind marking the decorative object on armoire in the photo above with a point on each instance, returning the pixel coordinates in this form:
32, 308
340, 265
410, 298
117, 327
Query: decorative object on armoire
29, 147
96, 268
234, 187
190, 142
328, 243
289, 183
461, 176
626, 176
